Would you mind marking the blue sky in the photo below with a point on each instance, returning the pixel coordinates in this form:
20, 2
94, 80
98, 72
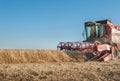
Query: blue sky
42, 24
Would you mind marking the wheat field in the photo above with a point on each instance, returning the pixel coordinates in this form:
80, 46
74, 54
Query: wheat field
52, 65
38, 56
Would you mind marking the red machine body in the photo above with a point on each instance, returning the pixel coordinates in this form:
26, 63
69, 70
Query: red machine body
102, 39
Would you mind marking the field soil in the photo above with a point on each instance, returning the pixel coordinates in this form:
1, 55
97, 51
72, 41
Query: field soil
68, 68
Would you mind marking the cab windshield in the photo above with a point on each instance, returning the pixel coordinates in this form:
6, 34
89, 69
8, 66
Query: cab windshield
94, 31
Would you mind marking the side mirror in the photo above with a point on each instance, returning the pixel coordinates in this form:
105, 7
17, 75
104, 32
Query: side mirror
83, 34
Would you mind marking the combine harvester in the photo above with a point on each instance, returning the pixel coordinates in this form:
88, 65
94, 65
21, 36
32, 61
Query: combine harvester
102, 40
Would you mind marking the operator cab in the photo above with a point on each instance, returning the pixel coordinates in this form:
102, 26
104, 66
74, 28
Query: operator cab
95, 31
